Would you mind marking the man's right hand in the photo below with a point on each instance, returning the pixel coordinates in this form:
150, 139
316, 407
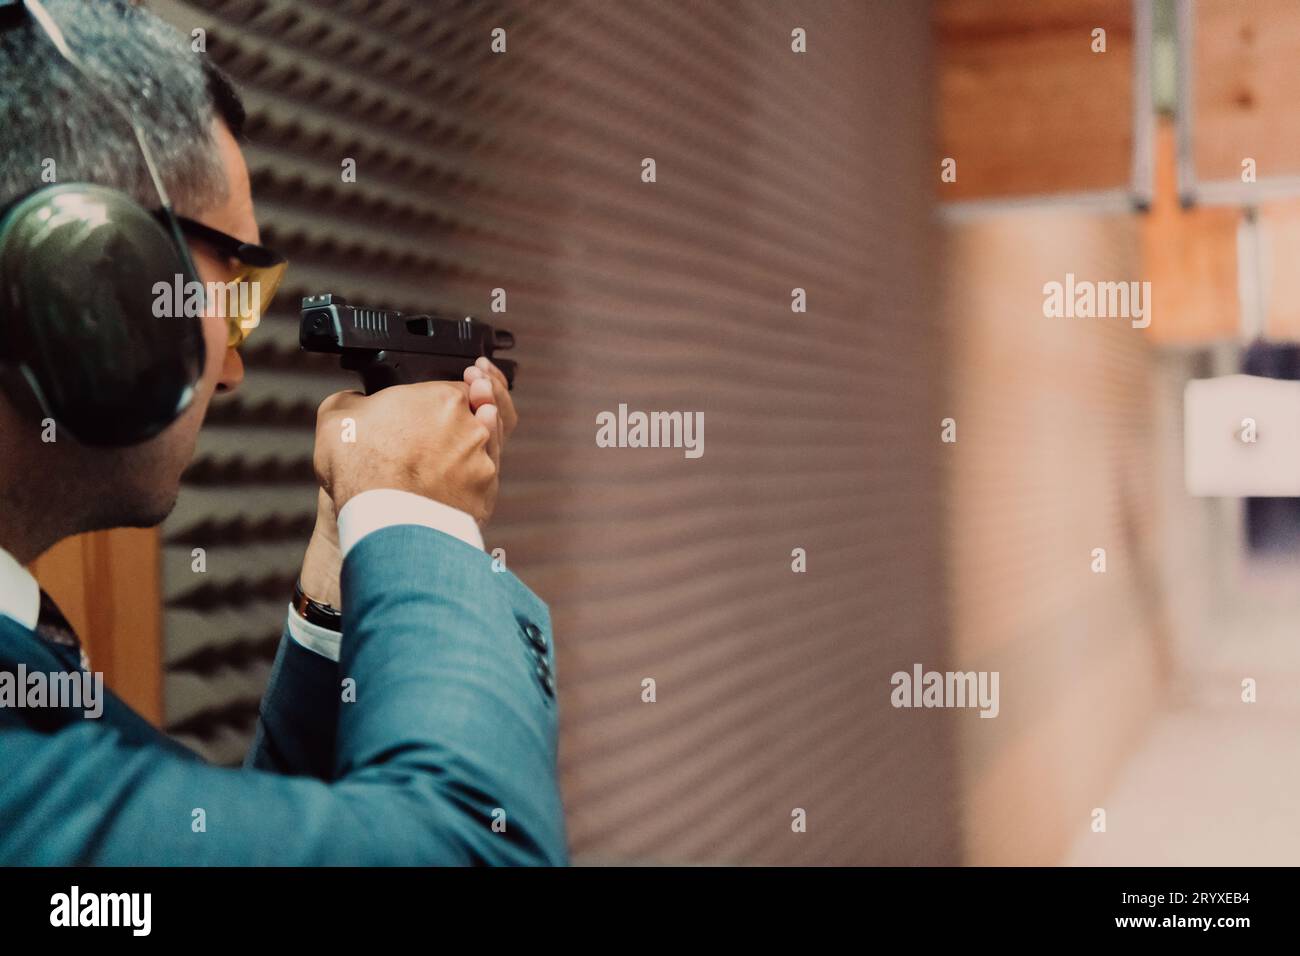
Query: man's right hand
421, 438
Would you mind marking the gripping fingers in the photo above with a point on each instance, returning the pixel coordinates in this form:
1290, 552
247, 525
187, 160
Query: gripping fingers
501, 388
481, 391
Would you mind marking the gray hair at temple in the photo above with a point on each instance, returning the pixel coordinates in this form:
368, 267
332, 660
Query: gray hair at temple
48, 112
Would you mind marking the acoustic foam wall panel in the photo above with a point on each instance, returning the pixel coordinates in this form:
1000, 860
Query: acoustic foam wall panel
523, 171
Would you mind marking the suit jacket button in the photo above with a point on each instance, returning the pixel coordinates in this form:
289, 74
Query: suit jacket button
535, 637
547, 681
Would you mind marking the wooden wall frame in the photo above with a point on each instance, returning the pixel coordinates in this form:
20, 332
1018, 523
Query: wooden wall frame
107, 585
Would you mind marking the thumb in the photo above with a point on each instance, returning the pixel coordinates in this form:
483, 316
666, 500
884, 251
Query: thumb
490, 418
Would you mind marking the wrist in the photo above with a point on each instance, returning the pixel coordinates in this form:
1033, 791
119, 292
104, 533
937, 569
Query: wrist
321, 565
316, 612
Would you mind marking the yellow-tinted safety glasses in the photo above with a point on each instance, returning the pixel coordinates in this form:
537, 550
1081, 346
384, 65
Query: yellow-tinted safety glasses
248, 295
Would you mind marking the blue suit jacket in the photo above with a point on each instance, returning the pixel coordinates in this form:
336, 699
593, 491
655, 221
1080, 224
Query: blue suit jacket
452, 728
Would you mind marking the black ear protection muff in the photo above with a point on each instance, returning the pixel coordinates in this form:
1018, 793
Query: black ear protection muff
86, 334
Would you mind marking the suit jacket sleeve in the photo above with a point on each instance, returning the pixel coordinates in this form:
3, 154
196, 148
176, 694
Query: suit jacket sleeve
299, 714
452, 730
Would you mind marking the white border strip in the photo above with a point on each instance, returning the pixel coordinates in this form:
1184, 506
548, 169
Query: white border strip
1144, 107
1184, 113
1097, 201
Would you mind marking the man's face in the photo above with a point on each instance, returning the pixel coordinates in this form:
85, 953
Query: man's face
146, 477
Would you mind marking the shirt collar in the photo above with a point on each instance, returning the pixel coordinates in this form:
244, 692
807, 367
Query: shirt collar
20, 595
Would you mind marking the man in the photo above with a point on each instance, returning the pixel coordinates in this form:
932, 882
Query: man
443, 748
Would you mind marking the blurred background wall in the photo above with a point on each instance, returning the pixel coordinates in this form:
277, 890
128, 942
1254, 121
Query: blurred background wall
1055, 457
1119, 140
521, 170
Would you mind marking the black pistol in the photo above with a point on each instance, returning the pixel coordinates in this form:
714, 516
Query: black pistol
389, 348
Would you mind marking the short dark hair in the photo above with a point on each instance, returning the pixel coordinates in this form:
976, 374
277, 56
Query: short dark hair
48, 113
225, 98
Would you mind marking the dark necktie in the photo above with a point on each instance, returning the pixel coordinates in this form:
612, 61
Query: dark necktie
53, 627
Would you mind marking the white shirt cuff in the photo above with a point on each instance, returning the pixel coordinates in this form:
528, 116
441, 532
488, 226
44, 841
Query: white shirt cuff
384, 507
369, 512
314, 637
